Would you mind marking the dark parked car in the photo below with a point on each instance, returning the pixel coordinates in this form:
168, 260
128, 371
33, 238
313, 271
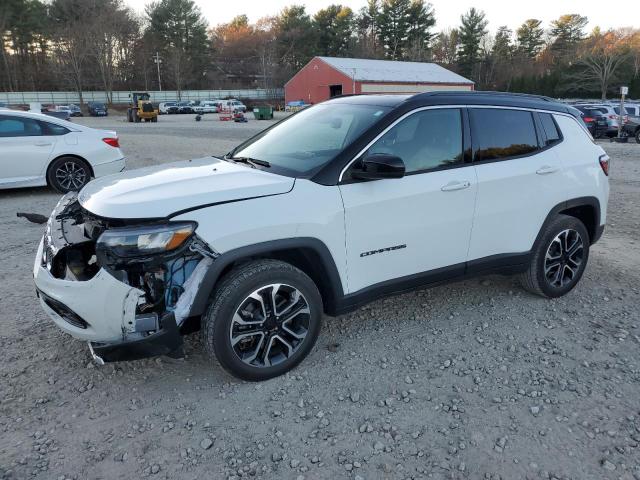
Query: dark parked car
97, 109
595, 120
185, 107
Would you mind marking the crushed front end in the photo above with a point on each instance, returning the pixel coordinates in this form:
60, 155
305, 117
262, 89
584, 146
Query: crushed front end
126, 287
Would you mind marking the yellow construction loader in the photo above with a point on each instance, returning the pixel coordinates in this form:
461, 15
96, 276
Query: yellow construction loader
141, 108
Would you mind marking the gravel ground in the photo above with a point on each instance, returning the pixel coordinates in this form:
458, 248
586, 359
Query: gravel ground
472, 380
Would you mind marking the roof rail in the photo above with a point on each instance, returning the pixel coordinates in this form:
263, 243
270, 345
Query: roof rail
490, 92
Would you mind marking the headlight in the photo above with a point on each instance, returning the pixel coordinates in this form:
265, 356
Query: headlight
141, 241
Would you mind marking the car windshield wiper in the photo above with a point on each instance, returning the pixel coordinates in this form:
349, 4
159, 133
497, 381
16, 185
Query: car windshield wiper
250, 161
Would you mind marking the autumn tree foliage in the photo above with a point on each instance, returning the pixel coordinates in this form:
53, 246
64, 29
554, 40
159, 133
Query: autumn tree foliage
103, 45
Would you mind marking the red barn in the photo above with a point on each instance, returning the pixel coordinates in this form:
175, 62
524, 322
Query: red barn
326, 77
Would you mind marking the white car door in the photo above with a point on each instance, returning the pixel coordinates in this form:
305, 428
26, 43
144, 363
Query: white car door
25, 150
399, 228
520, 180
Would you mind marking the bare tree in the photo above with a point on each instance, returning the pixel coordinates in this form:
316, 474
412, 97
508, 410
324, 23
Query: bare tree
115, 29
603, 55
72, 50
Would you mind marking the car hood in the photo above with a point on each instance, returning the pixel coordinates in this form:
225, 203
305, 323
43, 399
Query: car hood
163, 190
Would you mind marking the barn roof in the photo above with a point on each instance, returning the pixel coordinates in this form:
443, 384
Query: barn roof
364, 70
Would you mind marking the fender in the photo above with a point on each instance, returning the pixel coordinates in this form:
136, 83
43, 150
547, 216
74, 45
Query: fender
595, 233
328, 279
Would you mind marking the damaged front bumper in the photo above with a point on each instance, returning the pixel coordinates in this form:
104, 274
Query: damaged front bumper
123, 314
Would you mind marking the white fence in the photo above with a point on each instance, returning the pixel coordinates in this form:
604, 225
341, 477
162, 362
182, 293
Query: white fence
123, 96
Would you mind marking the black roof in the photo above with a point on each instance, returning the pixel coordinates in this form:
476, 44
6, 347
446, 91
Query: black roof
503, 99
380, 100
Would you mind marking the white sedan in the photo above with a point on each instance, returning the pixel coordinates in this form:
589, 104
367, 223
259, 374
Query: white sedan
38, 150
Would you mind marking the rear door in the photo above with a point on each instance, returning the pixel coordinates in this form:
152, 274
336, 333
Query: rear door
418, 224
519, 181
25, 149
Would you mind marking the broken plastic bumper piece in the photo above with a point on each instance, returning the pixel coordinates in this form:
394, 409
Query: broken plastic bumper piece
124, 314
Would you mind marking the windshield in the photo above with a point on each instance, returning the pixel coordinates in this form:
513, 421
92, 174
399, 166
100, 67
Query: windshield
306, 141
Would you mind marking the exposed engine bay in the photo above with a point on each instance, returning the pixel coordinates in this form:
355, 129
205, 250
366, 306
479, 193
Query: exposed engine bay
78, 245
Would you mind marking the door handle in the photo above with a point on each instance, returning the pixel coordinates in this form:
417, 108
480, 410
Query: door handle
546, 170
42, 144
451, 186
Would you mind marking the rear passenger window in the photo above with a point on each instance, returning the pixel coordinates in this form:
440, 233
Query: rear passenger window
19, 127
502, 133
550, 128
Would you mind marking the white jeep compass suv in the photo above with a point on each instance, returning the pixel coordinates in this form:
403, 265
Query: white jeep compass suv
339, 204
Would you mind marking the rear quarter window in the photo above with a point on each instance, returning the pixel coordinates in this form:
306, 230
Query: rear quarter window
550, 128
502, 133
49, 128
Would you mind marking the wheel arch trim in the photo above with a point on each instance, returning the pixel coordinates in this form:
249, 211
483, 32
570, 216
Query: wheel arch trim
591, 202
331, 288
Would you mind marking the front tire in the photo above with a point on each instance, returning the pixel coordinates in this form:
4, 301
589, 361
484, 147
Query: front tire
263, 319
559, 258
67, 174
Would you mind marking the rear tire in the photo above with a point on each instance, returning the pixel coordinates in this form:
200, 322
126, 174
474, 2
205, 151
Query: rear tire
67, 174
559, 258
638, 136
263, 319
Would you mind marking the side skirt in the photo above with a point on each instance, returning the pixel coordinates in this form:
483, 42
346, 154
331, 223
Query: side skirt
506, 264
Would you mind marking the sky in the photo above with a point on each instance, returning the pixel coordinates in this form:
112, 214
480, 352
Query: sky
511, 13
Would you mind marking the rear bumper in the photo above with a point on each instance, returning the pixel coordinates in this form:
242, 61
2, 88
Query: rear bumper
108, 168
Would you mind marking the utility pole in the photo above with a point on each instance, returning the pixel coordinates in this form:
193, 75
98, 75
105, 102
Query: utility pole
158, 61
353, 81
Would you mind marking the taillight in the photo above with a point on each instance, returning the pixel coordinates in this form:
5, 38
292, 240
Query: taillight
113, 142
604, 163
589, 119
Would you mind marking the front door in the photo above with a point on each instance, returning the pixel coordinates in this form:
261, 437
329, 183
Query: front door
420, 223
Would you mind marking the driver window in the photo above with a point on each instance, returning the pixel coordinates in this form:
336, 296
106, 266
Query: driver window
426, 140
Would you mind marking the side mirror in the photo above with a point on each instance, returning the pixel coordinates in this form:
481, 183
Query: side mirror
379, 166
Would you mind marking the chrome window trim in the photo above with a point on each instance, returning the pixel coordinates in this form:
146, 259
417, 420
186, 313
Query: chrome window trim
434, 107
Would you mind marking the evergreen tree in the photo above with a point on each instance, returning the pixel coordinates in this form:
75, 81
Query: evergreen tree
369, 28
394, 22
472, 30
333, 27
420, 34
530, 38
296, 37
566, 32
179, 33
502, 46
